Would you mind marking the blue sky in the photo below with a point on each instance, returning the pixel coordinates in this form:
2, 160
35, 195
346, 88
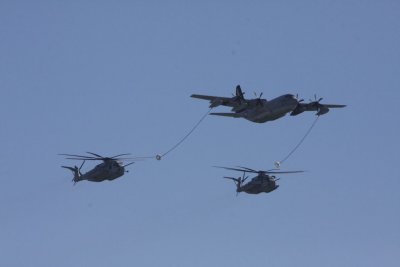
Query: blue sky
116, 77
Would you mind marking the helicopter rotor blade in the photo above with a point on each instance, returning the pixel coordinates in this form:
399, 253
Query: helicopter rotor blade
244, 169
79, 156
98, 157
113, 157
234, 169
128, 164
84, 158
81, 165
286, 172
251, 170
94, 154
125, 154
122, 159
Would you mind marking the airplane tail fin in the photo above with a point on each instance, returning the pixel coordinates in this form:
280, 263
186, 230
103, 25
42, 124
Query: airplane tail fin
239, 92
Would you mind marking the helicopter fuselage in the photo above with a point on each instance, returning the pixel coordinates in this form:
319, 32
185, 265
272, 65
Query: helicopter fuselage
108, 170
262, 183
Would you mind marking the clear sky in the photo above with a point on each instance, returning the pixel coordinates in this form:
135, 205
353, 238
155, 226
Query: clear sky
116, 76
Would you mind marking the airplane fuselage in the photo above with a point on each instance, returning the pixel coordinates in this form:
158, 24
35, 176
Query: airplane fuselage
269, 110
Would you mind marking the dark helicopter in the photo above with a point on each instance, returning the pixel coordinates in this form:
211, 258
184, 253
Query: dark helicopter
111, 168
262, 183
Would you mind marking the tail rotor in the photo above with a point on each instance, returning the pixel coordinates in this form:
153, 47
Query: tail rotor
238, 181
76, 171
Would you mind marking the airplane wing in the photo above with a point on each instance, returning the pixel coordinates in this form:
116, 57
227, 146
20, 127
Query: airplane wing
333, 106
314, 106
233, 115
210, 98
218, 100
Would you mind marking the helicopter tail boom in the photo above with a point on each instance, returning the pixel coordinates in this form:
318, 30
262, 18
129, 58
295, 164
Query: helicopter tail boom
76, 171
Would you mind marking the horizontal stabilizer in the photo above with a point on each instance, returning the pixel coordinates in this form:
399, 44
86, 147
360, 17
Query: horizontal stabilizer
205, 97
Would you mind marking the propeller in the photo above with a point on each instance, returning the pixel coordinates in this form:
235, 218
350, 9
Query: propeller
297, 97
315, 99
321, 109
258, 98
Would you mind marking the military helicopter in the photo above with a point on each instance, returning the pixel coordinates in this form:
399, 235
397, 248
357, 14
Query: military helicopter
111, 168
262, 183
